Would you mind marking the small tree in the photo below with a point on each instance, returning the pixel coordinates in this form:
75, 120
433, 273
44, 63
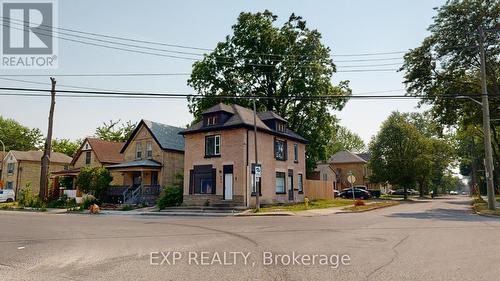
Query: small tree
94, 180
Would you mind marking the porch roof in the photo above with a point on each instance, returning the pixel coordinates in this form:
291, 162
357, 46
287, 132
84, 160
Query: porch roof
63, 173
146, 163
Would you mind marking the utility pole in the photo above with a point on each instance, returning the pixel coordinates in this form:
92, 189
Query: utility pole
486, 126
44, 181
3, 155
257, 189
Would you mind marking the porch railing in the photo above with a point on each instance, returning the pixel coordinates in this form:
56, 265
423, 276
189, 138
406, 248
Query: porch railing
151, 190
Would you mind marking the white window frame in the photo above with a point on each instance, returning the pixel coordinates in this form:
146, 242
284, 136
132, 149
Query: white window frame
149, 150
138, 151
216, 147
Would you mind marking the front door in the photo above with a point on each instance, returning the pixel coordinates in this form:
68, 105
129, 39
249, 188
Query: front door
136, 179
228, 182
290, 185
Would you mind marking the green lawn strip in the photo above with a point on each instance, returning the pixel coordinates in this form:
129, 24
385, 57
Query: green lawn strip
9, 206
316, 204
498, 198
481, 207
372, 206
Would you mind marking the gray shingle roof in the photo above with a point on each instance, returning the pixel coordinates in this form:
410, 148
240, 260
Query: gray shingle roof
346, 157
366, 156
167, 136
136, 163
243, 117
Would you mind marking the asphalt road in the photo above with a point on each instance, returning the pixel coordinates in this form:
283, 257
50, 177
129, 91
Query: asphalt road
431, 240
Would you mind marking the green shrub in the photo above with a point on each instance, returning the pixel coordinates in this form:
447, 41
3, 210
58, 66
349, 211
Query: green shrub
26, 196
87, 201
170, 196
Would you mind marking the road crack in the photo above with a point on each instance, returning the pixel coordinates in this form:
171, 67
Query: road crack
396, 254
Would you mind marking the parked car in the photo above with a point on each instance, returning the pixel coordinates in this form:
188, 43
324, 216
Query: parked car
453, 192
7, 195
413, 191
336, 193
465, 193
358, 193
400, 192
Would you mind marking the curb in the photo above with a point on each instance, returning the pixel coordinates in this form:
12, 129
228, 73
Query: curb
367, 210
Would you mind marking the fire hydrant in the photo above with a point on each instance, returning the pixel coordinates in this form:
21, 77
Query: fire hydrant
306, 203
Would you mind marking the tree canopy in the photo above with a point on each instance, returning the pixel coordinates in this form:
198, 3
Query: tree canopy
16, 136
115, 130
66, 146
274, 63
447, 66
94, 180
405, 155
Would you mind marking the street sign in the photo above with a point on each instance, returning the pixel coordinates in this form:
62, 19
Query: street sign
258, 171
351, 179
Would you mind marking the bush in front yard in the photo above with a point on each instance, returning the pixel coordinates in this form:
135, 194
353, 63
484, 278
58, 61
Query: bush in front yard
170, 197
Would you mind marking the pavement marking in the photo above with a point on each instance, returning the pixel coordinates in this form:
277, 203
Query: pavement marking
21, 248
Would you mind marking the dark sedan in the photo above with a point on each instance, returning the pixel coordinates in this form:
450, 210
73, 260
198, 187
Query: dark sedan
358, 193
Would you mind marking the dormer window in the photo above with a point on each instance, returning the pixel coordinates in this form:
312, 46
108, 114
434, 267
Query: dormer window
280, 126
211, 120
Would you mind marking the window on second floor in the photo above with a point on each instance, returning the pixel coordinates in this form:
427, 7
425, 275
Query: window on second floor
138, 150
295, 153
211, 120
212, 145
10, 185
280, 149
88, 157
280, 126
10, 168
149, 150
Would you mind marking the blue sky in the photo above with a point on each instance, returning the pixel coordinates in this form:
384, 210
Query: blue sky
348, 27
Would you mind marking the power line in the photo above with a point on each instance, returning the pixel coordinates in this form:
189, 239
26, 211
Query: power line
185, 46
225, 59
183, 95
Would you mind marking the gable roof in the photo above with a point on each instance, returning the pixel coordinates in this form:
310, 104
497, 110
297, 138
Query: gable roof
36, 156
168, 137
345, 157
242, 117
107, 152
2, 155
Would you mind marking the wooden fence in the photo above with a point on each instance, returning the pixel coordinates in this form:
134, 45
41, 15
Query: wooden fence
314, 189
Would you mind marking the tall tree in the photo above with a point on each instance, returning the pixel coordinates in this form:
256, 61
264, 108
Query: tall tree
344, 139
274, 63
397, 153
115, 130
66, 146
447, 65
15, 136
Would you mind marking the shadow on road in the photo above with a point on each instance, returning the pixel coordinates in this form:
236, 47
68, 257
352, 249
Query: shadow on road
444, 214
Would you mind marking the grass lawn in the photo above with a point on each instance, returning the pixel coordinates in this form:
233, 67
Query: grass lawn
498, 198
481, 206
389, 196
372, 206
316, 204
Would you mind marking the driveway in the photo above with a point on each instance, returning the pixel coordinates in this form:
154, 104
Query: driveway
425, 240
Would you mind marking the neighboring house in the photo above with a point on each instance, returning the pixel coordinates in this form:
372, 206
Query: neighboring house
2, 155
325, 172
22, 168
92, 153
153, 157
344, 162
220, 151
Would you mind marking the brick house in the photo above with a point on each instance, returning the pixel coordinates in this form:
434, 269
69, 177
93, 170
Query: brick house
153, 156
219, 152
22, 168
341, 163
93, 152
